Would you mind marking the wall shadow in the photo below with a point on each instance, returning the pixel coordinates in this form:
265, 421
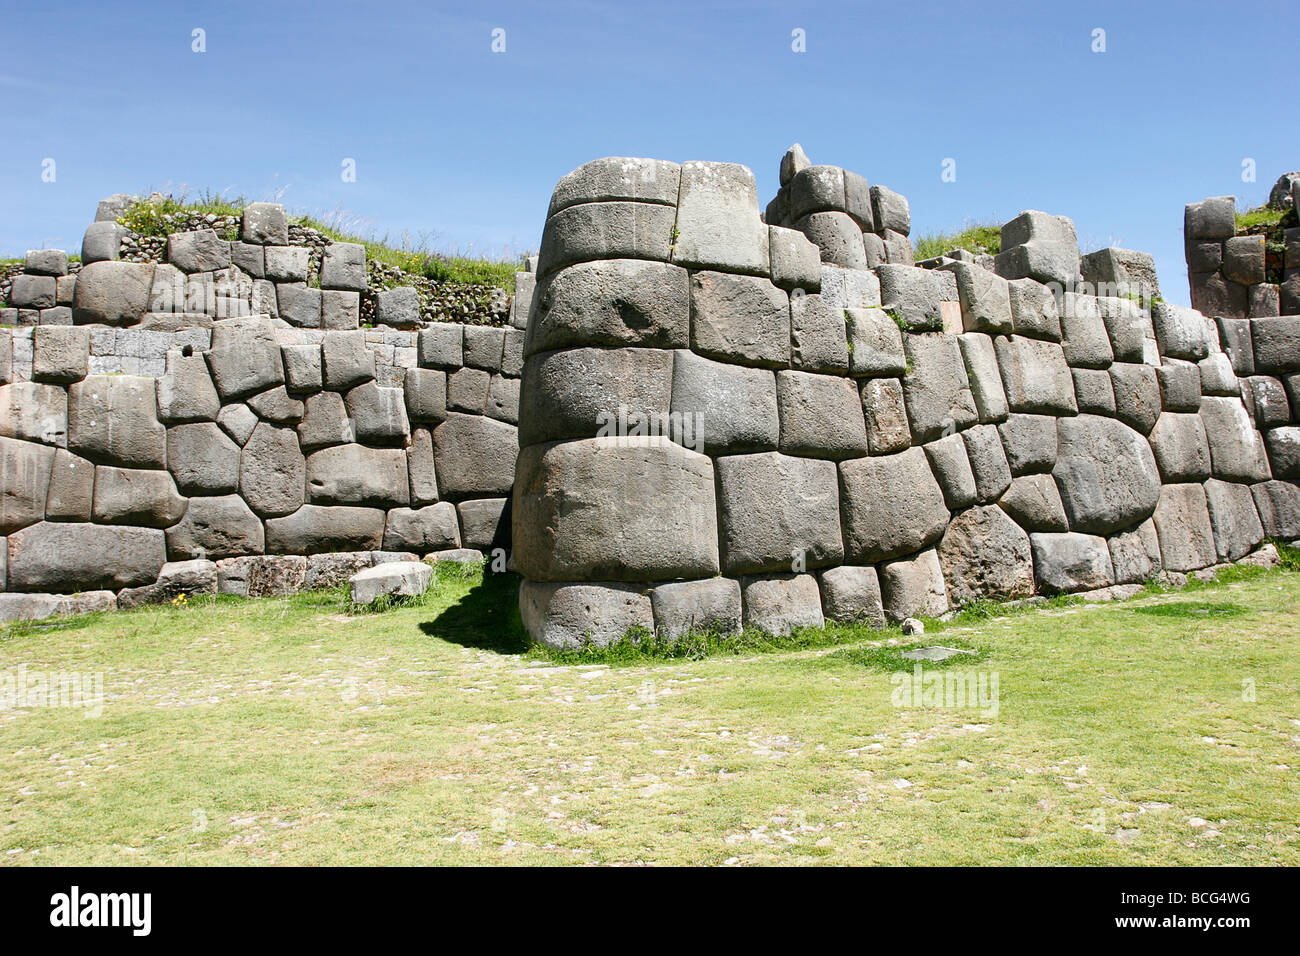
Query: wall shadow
487, 618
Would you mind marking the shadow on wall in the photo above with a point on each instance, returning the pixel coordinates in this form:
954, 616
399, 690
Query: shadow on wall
487, 618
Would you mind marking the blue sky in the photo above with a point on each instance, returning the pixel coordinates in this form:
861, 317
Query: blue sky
462, 144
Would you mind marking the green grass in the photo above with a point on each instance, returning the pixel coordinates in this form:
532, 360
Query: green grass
295, 731
1259, 218
415, 256
977, 238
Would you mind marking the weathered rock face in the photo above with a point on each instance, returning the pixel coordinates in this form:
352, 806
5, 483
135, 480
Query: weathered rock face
63, 557
1106, 473
891, 506
985, 554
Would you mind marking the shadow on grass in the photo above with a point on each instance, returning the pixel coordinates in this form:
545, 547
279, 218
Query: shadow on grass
486, 618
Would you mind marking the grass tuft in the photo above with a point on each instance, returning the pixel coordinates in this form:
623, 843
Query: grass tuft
976, 238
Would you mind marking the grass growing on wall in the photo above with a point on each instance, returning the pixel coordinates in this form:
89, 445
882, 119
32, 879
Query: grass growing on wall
292, 731
160, 217
981, 237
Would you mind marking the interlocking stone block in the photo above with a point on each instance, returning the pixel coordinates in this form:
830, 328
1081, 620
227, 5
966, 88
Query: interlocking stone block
474, 456
1236, 448
198, 576
316, 528
1233, 519
1183, 525
618, 178
421, 530
1278, 503
343, 266
1214, 218
1065, 562
565, 616
837, 237
102, 242
891, 505
185, 392
886, 416
346, 360
710, 606
744, 319
1035, 504
272, 470
245, 357
727, 408
608, 230
640, 510
1180, 447
912, 294
982, 371
951, 466
1035, 311
988, 462
1277, 344
34, 412
1093, 391
32, 291
777, 604
485, 523
399, 307
914, 587
576, 393
378, 414
875, 343
202, 459
818, 337
1106, 473
821, 416
217, 527
113, 419
62, 557
112, 293
358, 475
1137, 395
25, 469
937, 392
441, 345
985, 556
72, 487
1083, 332
796, 260
1181, 332
264, 223
199, 251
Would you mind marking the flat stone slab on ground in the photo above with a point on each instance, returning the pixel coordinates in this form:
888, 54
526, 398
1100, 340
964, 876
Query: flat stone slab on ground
392, 579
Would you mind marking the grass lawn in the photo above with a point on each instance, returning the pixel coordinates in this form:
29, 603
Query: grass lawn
292, 731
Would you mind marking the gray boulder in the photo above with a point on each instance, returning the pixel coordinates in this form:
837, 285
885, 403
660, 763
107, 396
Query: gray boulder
25, 469
641, 510
467, 389
378, 414
72, 487
175, 579
426, 394
891, 505
1071, 562
324, 421
1035, 504
1236, 448
60, 353
1182, 521
343, 266
112, 293
1036, 376
102, 242
346, 360
717, 222
821, 416
264, 223
952, 468
245, 357
441, 345
399, 307
1135, 555
1214, 218
202, 459
474, 456
575, 393
935, 388
1137, 395
777, 513
114, 419
796, 260
985, 555
1083, 332
987, 461
777, 604
745, 319
1278, 503
818, 341
358, 475
616, 178
316, 528
607, 230
729, 408
1035, 311
1284, 452
199, 251
1181, 451
875, 343
566, 616
272, 471
710, 606
913, 587
1180, 385
395, 579
485, 523
185, 392
851, 594
62, 557
885, 412
137, 497
985, 378
1106, 473
217, 527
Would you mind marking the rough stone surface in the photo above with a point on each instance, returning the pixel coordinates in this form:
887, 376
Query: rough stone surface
272, 470
891, 505
63, 557
985, 554
639, 510
1070, 562
692, 607
1182, 520
1035, 504
474, 456
1106, 473
914, 587
395, 579
820, 416
575, 392
936, 390
565, 616
779, 603
1236, 448
744, 319
1233, 519
113, 419
316, 528
217, 527
1181, 451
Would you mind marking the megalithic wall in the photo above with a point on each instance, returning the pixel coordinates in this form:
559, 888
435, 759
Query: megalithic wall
726, 422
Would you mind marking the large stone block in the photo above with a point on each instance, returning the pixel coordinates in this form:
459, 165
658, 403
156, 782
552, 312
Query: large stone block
485, 523
818, 340
1035, 504
1137, 395
474, 456
821, 416
1180, 332
936, 389
1135, 555
399, 307
1181, 451
102, 242
891, 506
262, 575
1214, 218
796, 260
885, 412
985, 298
1284, 452
985, 555
1127, 325
1034, 310
1083, 332
1266, 401
185, 392
1070, 562
316, 528
358, 475
442, 345
914, 587
392, 579
779, 603
817, 189
34, 412
607, 230
567, 616
60, 353
1180, 385
982, 371
378, 414
63, 557
711, 606
618, 178
717, 223
1183, 525
1236, 448
743, 319
1277, 344
113, 419
202, 459
1243, 259
1278, 504
112, 293
467, 390
891, 210
419, 468
875, 343
851, 594
837, 237
178, 578
199, 251
726, 408
346, 361
777, 513
575, 393
1106, 473
343, 266
638, 510
988, 462
136, 496
272, 470
245, 357
1036, 376
952, 469
1233, 519
426, 394
214, 528
421, 530
324, 421
912, 294
264, 223
299, 304
24, 481
619, 302
72, 486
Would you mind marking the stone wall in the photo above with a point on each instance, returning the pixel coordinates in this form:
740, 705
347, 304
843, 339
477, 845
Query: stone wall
728, 421
139, 462
1240, 276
